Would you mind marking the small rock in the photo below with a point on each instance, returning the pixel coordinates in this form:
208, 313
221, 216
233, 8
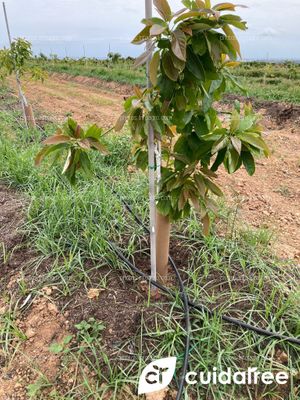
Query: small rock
93, 293
52, 308
47, 291
30, 333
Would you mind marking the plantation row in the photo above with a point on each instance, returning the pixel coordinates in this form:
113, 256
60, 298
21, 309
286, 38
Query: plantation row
267, 81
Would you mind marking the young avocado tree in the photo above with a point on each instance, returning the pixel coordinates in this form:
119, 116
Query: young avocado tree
15, 60
76, 143
191, 52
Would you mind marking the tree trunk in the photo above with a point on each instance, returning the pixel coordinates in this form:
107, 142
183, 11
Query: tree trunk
29, 116
163, 228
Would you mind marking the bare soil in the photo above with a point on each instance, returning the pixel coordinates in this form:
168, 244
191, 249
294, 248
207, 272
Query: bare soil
270, 199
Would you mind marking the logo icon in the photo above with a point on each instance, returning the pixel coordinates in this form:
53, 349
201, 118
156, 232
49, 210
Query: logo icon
157, 375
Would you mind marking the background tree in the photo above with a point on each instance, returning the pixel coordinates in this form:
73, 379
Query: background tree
194, 50
16, 61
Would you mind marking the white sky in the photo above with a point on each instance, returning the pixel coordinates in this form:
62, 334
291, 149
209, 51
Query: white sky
74, 26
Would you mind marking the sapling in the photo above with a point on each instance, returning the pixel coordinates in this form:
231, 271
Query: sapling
16, 61
194, 51
74, 141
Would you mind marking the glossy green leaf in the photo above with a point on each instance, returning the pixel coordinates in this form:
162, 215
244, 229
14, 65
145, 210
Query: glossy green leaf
194, 65
178, 44
142, 36
169, 68
248, 162
153, 69
163, 9
254, 141
232, 38
237, 144
156, 30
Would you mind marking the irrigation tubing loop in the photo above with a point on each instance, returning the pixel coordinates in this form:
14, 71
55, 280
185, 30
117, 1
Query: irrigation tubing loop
203, 308
188, 303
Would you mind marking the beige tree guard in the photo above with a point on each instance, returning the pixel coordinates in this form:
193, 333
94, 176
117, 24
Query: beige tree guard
151, 165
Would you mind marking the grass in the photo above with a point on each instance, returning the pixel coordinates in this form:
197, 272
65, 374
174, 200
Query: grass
265, 81
71, 228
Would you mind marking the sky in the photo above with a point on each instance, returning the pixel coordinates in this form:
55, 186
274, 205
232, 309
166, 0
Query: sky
75, 28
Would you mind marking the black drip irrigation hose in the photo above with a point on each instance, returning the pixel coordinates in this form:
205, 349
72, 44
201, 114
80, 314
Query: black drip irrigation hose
201, 307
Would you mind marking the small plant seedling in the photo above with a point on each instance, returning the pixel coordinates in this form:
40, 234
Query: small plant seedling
34, 389
89, 331
57, 348
76, 142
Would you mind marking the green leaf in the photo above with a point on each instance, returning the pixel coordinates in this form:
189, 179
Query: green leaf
181, 102
143, 58
98, 146
219, 145
200, 26
237, 144
178, 64
224, 6
142, 36
48, 150
235, 121
233, 160
57, 139
248, 162
232, 38
189, 14
255, 141
194, 65
153, 69
169, 68
199, 44
199, 181
213, 187
163, 9
69, 161
142, 160
247, 122
157, 30
178, 44
94, 132
86, 165
121, 122
234, 20
56, 348
164, 206
219, 159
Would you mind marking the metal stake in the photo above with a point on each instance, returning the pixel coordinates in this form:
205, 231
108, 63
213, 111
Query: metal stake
151, 163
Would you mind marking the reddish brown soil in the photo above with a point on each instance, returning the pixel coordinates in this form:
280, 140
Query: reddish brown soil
269, 200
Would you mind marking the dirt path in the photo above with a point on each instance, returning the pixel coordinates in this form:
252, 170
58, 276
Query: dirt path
58, 98
269, 200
